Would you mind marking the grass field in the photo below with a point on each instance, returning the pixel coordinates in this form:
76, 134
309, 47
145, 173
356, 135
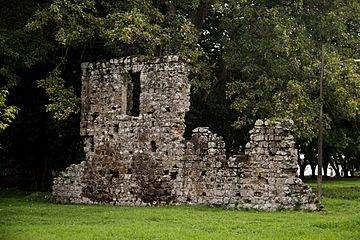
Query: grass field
32, 216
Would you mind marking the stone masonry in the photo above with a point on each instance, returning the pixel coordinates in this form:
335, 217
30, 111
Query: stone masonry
132, 120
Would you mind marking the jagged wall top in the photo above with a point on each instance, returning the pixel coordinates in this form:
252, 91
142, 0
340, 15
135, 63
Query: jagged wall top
130, 61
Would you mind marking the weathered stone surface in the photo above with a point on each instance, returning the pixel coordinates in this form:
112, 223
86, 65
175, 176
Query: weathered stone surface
136, 153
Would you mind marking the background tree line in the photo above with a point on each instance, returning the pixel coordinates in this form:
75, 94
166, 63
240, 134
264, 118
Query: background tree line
250, 59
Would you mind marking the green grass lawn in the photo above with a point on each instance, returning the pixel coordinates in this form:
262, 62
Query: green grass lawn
33, 217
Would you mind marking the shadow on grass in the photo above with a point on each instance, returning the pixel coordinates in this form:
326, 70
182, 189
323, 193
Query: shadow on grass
11, 194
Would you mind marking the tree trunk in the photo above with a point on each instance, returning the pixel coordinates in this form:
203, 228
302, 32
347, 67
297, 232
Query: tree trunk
198, 16
345, 167
171, 6
219, 79
302, 171
336, 168
302, 166
313, 172
325, 167
352, 166
342, 162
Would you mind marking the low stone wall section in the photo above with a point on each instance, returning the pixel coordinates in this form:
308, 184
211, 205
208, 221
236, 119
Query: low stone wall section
263, 178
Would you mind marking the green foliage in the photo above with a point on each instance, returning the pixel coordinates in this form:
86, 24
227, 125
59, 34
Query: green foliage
273, 54
63, 101
72, 21
296, 104
7, 113
132, 28
259, 58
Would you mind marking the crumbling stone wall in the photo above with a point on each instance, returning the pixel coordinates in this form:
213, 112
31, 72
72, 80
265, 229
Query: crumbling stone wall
133, 112
263, 178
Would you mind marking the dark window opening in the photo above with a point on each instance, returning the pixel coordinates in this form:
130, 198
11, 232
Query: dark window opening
151, 111
114, 174
116, 128
92, 143
204, 193
153, 146
167, 109
203, 173
166, 172
136, 91
129, 171
257, 194
173, 175
94, 116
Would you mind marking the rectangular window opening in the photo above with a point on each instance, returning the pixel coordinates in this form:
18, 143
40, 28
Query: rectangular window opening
92, 143
136, 91
153, 146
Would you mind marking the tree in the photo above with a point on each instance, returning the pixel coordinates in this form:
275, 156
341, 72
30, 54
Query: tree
274, 61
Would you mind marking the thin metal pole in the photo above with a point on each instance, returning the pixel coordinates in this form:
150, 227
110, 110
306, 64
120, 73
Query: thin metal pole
321, 125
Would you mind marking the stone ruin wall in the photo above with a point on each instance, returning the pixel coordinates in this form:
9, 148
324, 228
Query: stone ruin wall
137, 155
264, 178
